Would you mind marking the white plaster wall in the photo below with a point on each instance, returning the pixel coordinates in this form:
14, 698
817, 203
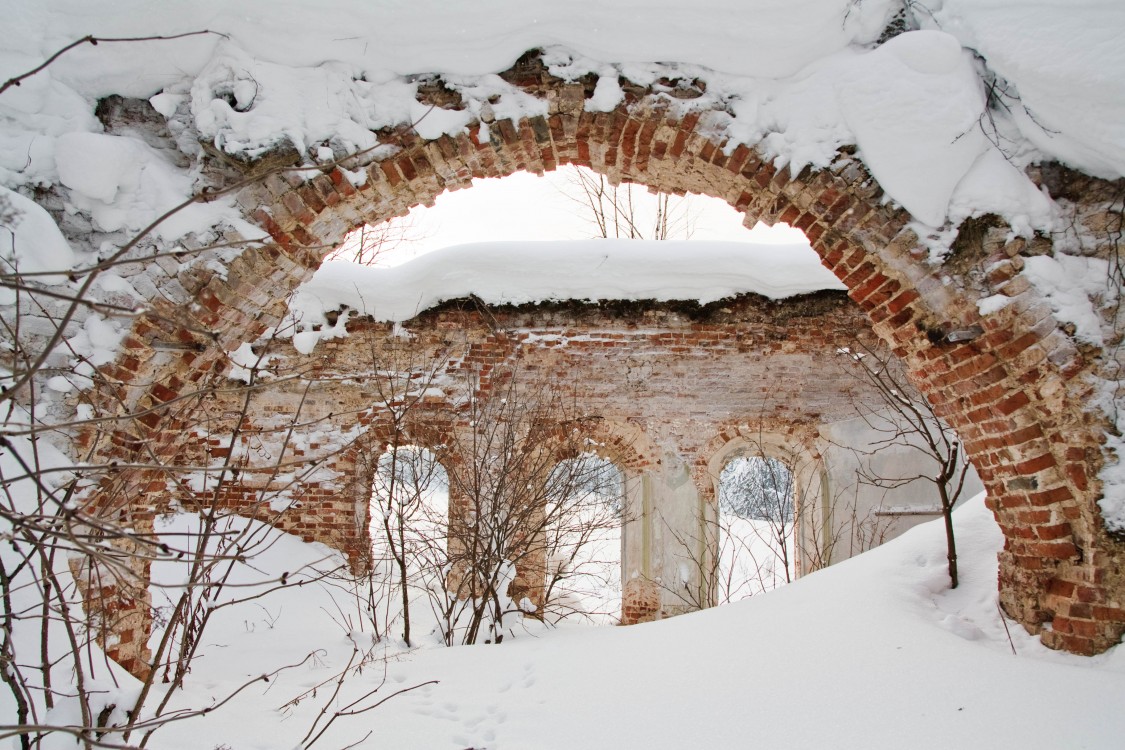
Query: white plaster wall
664, 541
863, 513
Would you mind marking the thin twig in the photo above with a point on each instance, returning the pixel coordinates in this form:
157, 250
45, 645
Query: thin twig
94, 41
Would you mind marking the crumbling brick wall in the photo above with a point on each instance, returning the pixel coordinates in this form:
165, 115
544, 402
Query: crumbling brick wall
630, 381
1017, 389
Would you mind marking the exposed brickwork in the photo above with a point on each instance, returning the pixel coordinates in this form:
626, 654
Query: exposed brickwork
1018, 393
640, 601
634, 372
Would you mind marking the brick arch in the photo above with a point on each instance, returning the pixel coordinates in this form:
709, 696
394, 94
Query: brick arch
772, 438
1015, 389
630, 448
360, 462
794, 444
624, 444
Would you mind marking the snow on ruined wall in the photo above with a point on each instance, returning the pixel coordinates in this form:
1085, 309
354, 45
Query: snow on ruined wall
1063, 72
517, 273
278, 470
913, 105
798, 80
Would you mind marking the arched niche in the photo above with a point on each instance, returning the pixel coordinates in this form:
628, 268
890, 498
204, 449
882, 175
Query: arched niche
812, 538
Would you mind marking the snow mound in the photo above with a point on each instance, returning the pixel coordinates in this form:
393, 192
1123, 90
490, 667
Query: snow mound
517, 273
936, 666
914, 105
1063, 70
34, 244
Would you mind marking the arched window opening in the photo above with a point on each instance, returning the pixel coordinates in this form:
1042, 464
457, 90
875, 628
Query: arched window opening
408, 528
757, 524
582, 541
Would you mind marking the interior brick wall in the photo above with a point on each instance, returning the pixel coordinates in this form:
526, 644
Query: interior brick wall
636, 376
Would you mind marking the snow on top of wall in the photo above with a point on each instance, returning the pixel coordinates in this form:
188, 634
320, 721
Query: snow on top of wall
889, 102
522, 272
1065, 60
30, 242
766, 38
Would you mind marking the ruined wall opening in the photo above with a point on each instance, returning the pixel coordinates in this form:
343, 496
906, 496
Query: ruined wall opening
584, 542
1007, 376
569, 203
408, 527
757, 518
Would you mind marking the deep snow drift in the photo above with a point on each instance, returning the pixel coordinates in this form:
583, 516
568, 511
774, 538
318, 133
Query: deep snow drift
876, 652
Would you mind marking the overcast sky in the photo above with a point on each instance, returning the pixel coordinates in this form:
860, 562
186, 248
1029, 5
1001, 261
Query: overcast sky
526, 207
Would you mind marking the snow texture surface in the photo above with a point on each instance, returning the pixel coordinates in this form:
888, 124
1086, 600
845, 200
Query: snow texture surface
935, 665
518, 273
945, 117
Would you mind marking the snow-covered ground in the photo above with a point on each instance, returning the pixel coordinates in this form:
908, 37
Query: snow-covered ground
876, 652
